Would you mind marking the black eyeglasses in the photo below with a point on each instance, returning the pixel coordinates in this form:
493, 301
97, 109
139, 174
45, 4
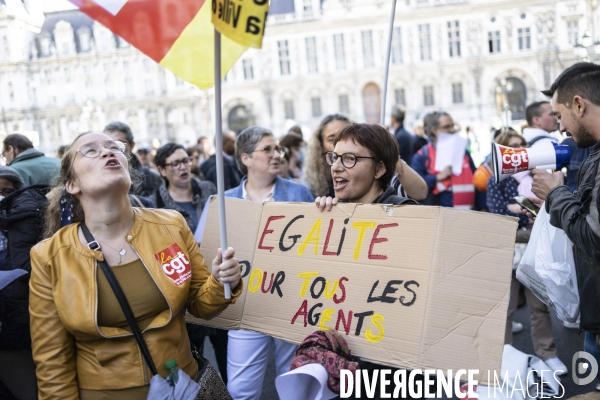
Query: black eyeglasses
270, 151
93, 150
348, 159
175, 164
6, 191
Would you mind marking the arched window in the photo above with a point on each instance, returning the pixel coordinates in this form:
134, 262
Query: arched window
84, 40
107, 40
515, 92
45, 44
372, 103
239, 118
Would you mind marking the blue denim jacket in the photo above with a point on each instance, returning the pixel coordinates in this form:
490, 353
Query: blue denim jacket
285, 190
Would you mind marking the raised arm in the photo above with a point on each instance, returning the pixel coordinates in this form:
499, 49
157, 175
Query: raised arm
414, 185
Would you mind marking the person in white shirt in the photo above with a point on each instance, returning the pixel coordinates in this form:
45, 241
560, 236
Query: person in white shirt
541, 123
259, 158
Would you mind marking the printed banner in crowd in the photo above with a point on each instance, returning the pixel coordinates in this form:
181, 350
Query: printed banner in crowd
178, 35
243, 21
411, 286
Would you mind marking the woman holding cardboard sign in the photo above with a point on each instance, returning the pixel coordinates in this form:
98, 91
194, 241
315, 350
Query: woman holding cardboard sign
317, 175
259, 158
82, 342
363, 162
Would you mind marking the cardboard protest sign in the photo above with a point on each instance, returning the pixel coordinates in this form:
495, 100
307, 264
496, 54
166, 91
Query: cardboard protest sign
411, 286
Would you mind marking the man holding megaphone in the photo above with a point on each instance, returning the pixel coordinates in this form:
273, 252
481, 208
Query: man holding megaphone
576, 103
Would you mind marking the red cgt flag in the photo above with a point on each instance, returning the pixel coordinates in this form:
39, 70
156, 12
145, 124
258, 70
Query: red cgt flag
177, 34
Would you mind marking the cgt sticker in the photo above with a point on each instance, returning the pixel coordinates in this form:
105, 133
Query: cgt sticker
175, 264
514, 160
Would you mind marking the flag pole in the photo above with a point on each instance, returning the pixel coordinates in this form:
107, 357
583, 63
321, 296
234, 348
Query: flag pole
387, 62
219, 153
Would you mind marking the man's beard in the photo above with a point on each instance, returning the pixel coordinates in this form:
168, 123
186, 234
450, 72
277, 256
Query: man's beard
583, 135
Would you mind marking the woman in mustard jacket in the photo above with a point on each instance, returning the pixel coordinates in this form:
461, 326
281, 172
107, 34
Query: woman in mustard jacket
82, 344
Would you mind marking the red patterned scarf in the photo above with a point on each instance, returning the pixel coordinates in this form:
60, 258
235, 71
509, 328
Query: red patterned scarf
329, 349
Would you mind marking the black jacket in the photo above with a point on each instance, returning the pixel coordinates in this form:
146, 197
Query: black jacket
231, 174
389, 196
22, 221
405, 142
151, 179
202, 190
578, 215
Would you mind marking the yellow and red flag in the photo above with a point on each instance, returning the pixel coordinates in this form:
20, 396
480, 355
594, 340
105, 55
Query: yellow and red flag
241, 20
178, 34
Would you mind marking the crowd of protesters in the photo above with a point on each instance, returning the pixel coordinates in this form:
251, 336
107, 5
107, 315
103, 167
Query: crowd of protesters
62, 331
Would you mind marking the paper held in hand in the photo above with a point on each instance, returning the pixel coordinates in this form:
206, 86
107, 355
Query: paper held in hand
450, 151
410, 286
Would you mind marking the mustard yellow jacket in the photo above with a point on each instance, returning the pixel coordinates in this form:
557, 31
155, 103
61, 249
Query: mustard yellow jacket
71, 351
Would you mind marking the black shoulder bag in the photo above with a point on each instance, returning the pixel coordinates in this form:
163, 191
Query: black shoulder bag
211, 385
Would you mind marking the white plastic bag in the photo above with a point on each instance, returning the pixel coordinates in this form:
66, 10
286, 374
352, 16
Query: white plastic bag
548, 268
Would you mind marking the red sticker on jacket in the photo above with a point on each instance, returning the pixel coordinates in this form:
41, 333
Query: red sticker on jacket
175, 264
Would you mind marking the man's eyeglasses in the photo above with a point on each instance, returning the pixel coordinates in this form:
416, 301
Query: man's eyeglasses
175, 164
348, 159
6, 191
93, 150
270, 151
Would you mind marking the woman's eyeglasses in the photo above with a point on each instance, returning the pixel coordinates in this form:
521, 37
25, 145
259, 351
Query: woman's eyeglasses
175, 164
348, 159
93, 150
270, 151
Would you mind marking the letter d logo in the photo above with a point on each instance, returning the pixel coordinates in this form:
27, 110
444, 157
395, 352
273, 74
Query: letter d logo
582, 367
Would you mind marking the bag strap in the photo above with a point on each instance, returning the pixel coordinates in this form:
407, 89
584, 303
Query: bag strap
536, 139
114, 284
135, 201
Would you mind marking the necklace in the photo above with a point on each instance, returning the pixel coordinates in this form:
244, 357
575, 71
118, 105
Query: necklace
121, 252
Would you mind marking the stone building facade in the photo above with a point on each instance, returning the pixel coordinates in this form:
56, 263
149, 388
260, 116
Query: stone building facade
467, 57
